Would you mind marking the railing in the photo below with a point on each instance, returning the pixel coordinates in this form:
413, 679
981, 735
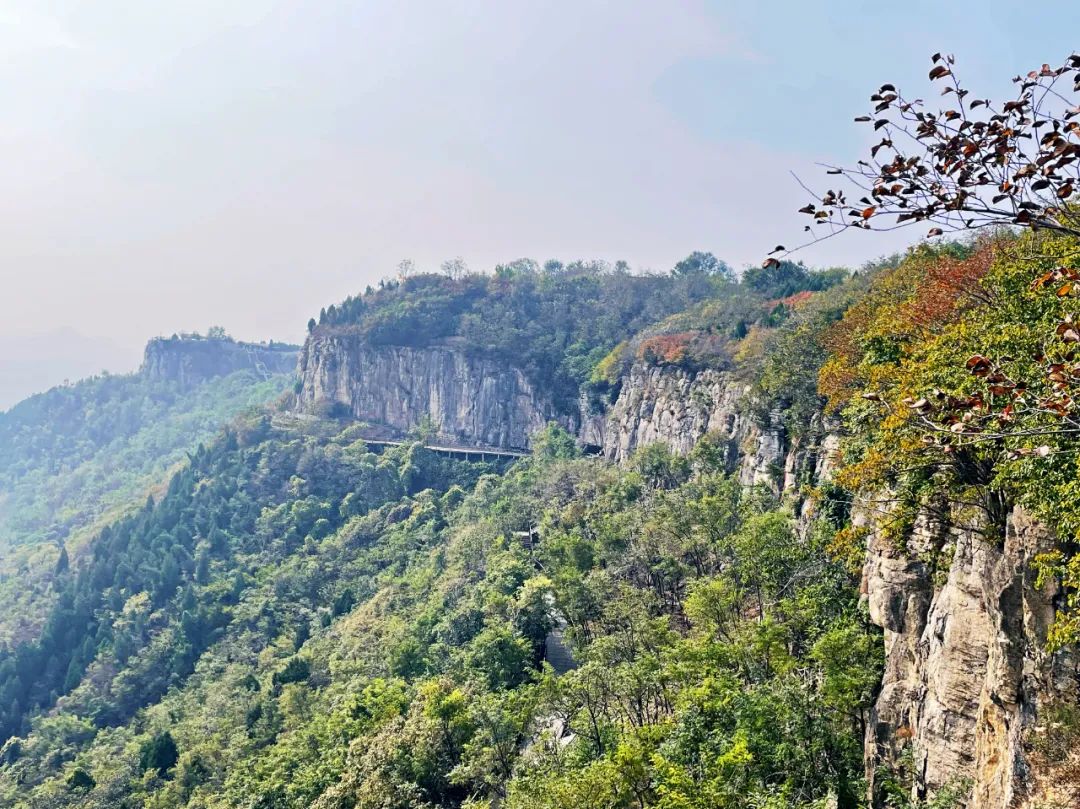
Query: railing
468, 453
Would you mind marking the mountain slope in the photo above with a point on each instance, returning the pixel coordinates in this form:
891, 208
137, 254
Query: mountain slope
390, 658
78, 456
766, 579
300, 621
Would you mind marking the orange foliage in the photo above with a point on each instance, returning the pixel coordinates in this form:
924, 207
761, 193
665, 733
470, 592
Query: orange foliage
791, 301
949, 285
666, 349
904, 305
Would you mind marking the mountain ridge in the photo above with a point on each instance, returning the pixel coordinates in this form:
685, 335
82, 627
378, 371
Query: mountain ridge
304, 618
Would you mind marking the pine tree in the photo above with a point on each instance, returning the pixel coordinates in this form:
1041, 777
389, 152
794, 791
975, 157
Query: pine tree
62, 563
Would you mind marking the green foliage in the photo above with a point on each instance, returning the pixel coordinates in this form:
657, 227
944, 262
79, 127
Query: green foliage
157, 588
555, 443
577, 328
783, 278
720, 662
784, 374
158, 754
297, 670
936, 438
295, 621
72, 455
699, 263
80, 779
660, 467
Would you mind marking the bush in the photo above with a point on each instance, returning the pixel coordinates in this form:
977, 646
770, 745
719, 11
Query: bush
158, 754
297, 670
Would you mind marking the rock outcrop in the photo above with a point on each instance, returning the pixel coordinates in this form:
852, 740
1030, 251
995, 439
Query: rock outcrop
467, 399
677, 408
967, 679
967, 673
191, 360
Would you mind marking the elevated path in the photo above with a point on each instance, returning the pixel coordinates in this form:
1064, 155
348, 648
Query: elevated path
468, 452
464, 452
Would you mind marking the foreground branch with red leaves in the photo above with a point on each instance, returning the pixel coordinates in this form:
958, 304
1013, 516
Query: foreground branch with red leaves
971, 165
974, 164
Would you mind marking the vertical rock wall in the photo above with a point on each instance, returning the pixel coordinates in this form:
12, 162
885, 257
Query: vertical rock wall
677, 408
967, 678
191, 360
469, 400
966, 664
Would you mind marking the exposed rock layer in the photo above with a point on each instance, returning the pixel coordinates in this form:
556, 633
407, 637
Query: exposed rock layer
466, 399
967, 680
677, 408
190, 361
967, 671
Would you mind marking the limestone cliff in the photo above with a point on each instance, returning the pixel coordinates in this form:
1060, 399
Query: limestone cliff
967, 680
673, 407
191, 360
466, 398
677, 408
968, 688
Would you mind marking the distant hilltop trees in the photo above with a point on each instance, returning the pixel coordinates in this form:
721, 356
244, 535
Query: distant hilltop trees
218, 334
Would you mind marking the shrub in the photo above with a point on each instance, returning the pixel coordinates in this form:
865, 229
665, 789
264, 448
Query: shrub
295, 671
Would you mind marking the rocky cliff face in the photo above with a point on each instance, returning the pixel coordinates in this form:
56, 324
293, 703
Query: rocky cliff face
190, 361
967, 680
677, 408
466, 399
474, 400
968, 684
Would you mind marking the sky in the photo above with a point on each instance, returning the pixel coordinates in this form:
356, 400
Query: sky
173, 165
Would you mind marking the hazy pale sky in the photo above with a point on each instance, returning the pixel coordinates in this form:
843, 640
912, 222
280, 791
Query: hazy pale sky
170, 165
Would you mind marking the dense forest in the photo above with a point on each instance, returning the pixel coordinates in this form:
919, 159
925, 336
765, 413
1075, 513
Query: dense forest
79, 456
382, 613
384, 622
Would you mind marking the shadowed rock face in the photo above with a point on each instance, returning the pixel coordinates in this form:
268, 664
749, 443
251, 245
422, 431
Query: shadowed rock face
470, 399
467, 399
190, 361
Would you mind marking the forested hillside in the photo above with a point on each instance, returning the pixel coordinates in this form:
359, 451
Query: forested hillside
79, 456
557, 322
377, 639
299, 621
302, 618
790, 521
